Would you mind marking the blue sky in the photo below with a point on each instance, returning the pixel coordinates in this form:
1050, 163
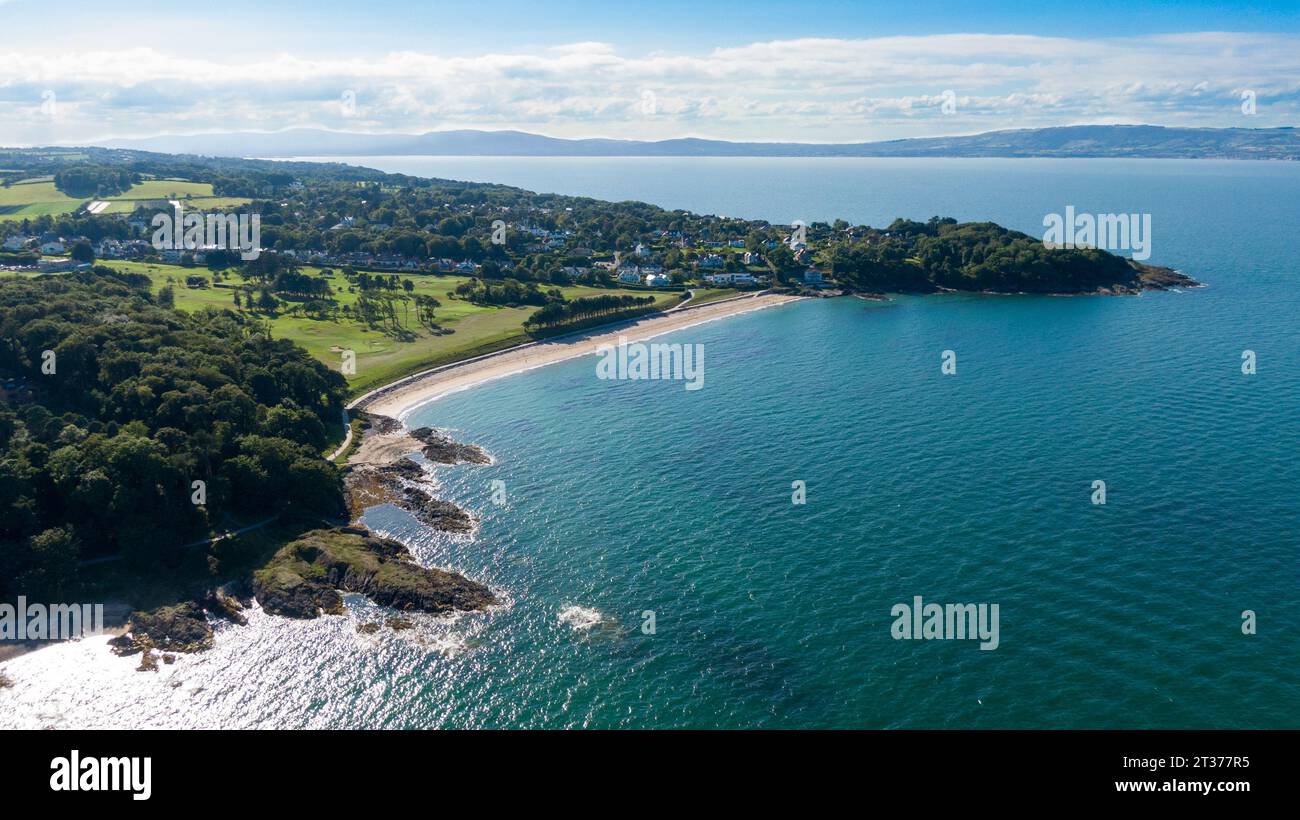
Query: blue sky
813, 71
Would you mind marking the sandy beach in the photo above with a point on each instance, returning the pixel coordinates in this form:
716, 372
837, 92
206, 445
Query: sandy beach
402, 396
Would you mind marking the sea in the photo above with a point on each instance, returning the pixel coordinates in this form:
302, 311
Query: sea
736, 556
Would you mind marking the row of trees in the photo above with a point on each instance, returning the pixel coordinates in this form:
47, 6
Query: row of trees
585, 309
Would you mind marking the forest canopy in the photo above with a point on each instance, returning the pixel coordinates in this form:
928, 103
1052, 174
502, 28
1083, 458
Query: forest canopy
133, 403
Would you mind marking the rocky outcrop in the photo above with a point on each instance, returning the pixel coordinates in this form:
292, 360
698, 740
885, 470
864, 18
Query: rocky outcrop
304, 578
179, 627
399, 484
221, 605
292, 596
383, 425
444, 450
1154, 277
439, 514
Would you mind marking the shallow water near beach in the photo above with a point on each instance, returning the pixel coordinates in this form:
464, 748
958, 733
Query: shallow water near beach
624, 498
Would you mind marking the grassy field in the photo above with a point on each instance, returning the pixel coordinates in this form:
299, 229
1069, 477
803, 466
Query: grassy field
165, 189
194, 196
704, 295
33, 199
209, 203
380, 358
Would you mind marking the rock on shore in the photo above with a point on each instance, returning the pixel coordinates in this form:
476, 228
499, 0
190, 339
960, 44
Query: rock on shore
304, 578
181, 627
398, 484
444, 450
1155, 277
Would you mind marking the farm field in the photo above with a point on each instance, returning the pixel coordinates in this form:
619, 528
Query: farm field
32, 199
27, 200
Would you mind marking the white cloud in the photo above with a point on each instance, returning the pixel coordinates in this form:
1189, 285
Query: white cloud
800, 89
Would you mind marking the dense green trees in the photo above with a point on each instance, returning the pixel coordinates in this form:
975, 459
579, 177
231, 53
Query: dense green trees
94, 180
917, 256
505, 292
133, 405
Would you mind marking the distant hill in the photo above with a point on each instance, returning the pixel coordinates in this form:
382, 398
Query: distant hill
1149, 141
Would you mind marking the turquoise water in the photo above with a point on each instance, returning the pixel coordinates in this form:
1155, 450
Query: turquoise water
623, 497
633, 496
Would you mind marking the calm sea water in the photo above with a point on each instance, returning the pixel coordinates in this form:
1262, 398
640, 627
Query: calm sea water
624, 498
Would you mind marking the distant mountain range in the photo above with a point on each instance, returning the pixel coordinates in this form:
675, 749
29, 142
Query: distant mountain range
1147, 141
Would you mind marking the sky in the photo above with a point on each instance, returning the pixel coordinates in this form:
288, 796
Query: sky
811, 71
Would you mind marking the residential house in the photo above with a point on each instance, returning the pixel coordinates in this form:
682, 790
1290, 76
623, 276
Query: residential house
729, 279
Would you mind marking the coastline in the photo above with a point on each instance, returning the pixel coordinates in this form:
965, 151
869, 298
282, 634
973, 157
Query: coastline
401, 397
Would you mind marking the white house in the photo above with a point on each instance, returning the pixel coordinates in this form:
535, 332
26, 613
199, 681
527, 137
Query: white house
54, 246
729, 279
657, 280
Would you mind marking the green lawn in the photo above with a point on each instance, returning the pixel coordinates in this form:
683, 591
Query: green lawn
703, 295
380, 358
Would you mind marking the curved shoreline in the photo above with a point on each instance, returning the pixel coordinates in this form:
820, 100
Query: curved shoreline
399, 398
